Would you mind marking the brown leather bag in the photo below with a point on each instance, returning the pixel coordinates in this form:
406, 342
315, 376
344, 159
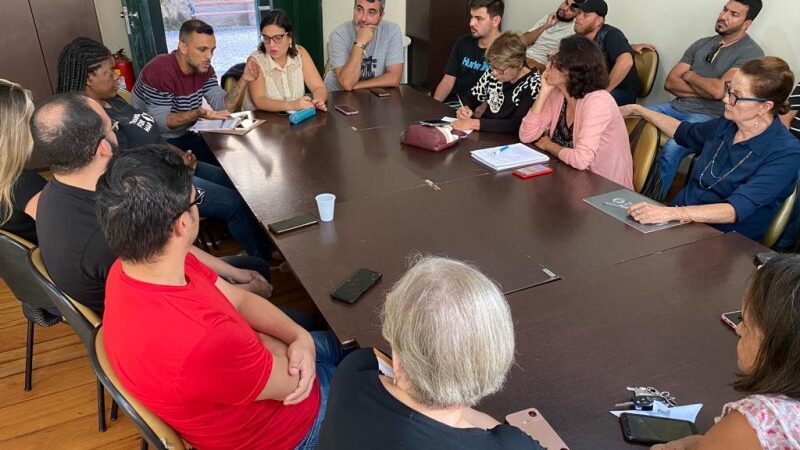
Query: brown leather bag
431, 138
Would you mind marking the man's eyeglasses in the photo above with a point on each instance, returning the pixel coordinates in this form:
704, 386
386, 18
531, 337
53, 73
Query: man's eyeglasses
199, 195
114, 129
733, 98
712, 55
277, 39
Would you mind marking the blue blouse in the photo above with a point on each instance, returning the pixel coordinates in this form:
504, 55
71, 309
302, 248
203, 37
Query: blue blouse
754, 176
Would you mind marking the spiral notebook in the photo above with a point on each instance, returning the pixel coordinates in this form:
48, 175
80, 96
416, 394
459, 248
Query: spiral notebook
507, 157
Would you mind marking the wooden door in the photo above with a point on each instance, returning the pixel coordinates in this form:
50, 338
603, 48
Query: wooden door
21, 58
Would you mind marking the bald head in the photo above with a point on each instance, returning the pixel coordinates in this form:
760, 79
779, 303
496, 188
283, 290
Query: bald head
67, 129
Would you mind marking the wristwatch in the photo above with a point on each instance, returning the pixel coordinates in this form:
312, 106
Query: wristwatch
363, 46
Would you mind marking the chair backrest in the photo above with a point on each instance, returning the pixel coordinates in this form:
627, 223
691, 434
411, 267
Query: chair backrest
644, 138
81, 319
153, 430
780, 220
16, 272
647, 68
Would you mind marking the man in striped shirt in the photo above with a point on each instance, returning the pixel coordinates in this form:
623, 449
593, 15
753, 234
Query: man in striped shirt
171, 88
791, 119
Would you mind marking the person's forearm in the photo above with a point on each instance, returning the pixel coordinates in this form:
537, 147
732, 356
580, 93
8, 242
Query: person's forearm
679, 88
350, 73
668, 125
265, 103
444, 88
530, 37
387, 80
710, 88
232, 98
619, 71
713, 213
267, 318
179, 119
319, 93
219, 266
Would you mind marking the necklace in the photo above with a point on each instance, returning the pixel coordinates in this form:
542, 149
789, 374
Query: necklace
711, 165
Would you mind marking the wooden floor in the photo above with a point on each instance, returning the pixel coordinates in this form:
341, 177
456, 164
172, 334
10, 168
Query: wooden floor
60, 411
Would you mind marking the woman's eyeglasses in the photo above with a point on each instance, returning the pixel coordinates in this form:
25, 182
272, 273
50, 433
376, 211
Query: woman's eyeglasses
497, 70
733, 98
277, 39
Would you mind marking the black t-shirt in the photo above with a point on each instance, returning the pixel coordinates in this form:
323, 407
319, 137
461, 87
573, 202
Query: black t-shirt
467, 63
507, 103
25, 188
614, 43
74, 249
136, 128
361, 414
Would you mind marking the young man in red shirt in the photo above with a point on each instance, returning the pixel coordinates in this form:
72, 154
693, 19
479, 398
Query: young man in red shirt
222, 366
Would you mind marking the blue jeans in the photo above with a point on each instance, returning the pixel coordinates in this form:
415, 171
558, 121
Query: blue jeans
329, 354
223, 202
671, 154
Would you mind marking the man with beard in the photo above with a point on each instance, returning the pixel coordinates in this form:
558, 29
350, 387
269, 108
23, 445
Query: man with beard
171, 88
545, 36
698, 80
467, 59
590, 22
367, 52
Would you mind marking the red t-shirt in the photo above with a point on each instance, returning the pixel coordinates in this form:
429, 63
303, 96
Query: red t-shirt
187, 354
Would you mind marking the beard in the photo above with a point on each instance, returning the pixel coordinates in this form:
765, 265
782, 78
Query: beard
562, 18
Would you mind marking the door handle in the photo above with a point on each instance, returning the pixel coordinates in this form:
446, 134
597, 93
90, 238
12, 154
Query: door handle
127, 15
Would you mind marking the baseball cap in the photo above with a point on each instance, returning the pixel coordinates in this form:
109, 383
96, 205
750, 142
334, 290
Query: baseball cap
592, 6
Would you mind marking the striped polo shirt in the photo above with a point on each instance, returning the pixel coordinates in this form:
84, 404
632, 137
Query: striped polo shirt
162, 88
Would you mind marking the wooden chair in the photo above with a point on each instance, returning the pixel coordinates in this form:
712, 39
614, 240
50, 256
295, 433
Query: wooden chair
20, 279
154, 431
81, 319
780, 220
647, 68
644, 138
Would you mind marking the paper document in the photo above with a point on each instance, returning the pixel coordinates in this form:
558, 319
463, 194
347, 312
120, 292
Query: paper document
216, 124
616, 205
508, 156
448, 119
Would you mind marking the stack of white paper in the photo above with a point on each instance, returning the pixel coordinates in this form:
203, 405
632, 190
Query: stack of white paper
508, 156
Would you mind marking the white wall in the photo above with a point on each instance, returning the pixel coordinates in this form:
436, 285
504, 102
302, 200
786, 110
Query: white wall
673, 25
334, 12
112, 28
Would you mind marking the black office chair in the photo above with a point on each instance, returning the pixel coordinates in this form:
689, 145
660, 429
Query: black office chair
20, 279
81, 319
154, 431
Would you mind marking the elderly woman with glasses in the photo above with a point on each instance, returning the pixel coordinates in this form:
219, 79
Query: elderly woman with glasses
286, 70
508, 89
748, 160
452, 341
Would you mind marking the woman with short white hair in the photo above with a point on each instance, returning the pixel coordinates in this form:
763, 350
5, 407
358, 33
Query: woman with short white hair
452, 342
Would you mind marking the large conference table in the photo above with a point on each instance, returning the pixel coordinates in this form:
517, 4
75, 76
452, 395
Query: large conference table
597, 305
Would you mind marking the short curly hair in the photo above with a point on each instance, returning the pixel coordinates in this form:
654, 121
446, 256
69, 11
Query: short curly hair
584, 64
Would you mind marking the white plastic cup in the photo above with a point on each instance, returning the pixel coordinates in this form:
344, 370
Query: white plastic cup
325, 204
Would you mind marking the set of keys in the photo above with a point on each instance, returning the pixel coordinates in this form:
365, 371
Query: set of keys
643, 398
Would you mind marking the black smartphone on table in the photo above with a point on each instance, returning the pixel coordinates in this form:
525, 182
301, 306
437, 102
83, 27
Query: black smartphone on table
654, 430
294, 223
380, 92
357, 284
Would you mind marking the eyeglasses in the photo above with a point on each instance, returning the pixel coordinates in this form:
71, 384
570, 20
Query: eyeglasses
712, 55
277, 39
733, 98
496, 70
199, 195
114, 128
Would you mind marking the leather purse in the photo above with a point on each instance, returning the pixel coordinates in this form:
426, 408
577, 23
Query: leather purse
431, 138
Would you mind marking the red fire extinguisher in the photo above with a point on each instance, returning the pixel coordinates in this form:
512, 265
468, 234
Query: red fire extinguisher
123, 67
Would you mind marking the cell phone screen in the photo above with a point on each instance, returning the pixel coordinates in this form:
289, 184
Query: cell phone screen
654, 429
356, 285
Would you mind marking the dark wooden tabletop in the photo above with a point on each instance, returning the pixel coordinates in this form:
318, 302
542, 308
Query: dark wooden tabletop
652, 321
629, 308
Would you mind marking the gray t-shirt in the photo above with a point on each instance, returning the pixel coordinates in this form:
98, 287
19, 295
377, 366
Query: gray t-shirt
729, 57
385, 49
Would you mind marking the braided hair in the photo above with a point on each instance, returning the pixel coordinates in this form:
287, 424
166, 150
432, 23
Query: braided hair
79, 59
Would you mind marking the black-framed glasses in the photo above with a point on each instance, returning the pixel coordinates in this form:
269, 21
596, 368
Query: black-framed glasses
277, 39
199, 195
733, 98
496, 70
114, 128
712, 55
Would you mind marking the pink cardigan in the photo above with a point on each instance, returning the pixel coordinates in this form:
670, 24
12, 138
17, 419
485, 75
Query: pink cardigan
599, 135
